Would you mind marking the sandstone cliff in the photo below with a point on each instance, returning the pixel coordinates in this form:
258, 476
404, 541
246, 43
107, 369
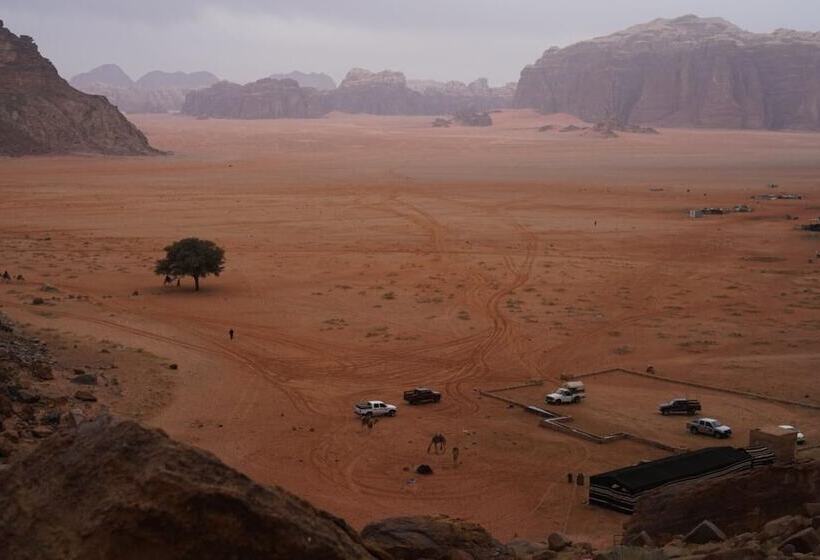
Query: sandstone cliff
687, 71
40, 113
264, 99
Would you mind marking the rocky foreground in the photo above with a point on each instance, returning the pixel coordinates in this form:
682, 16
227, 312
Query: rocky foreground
688, 71
77, 483
42, 114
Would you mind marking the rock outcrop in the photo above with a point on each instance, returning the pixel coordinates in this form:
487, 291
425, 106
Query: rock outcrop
155, 92
375, 93
42, 114
433, 538
441, 98
390, 93
688, 71
264, 99
315, 80
114, 489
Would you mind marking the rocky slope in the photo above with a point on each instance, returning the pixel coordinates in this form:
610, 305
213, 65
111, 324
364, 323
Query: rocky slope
113, 489
687, 71
315, 80
41, 114
155, 92
264, 99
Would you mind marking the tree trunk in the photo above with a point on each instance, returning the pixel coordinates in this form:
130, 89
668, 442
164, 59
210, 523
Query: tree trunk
196, 283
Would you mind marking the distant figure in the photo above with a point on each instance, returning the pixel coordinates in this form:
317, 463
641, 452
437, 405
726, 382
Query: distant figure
569, 477
230, 333
580, 479
179, 282
167, 281
438, 444
368, 421
455, 456
6, 276
595, 223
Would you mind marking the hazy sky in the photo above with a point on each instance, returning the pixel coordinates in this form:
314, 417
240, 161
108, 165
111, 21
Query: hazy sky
243, 40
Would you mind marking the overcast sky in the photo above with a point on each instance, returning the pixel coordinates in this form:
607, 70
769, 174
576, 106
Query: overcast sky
243, 40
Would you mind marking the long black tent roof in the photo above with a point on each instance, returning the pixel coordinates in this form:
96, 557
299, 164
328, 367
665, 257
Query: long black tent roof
645, 476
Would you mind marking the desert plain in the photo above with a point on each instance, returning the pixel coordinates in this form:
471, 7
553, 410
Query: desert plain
368, 255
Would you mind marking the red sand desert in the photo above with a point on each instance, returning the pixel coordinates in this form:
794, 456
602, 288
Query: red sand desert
368, 255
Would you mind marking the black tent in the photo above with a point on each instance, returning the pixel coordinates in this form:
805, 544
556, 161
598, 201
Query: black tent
620, 489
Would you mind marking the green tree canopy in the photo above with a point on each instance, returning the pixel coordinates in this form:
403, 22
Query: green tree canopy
192, 257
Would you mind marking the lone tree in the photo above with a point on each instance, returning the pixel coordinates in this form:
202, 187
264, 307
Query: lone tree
192, 257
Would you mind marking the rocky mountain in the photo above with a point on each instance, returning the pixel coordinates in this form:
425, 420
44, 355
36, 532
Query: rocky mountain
158, 80
453, 97
40, 113
107, 74
688, 71
375, 93
264, 99
319, 81
390, 93
155, 92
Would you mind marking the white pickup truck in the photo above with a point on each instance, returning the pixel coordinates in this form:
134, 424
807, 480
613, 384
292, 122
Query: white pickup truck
375, 408
566, 395
709, 427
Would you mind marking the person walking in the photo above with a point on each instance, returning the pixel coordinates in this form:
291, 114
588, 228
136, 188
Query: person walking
230, 334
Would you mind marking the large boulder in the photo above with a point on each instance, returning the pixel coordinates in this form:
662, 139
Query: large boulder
434, 538
41, 114
114, 489
687, 71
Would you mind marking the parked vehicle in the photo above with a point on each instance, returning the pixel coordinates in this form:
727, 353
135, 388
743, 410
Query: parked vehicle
421, 395
680, 406
375, 408
801, 439
564, 396
709, 427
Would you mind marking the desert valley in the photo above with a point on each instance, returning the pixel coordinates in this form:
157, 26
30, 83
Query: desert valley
367, 254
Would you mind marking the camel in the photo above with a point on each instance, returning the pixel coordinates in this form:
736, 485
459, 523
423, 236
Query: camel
167, 281
438, 443
6, 276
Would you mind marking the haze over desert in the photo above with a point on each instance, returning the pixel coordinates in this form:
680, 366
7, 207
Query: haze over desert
323, 281
367, 254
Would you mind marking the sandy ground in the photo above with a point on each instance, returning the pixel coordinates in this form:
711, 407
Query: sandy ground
367, 255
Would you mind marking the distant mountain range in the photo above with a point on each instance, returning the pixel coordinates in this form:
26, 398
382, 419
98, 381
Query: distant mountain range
362, 91
155, 92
